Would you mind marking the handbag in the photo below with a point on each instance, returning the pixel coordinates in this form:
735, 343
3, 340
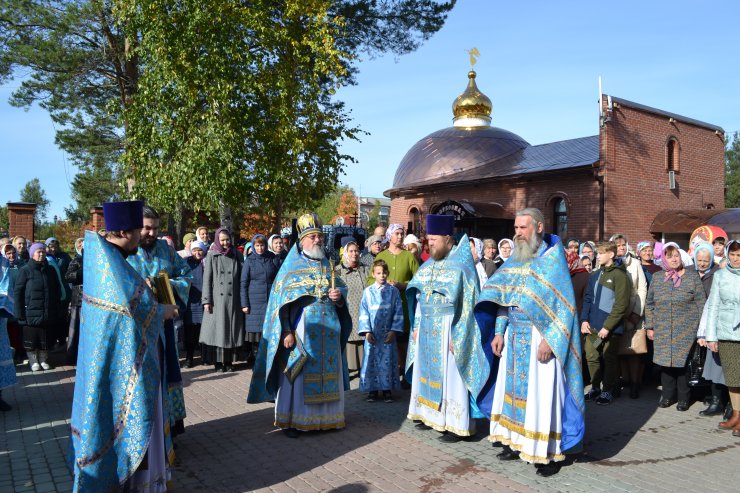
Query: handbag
633, 341
695, 364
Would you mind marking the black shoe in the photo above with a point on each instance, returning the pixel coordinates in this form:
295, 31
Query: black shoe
228, 369
666, 402
634, 391
682, 406
218, 367
405, 385
715, 408
592, 394
547, 470
422, 426
291, 432
387, 397
449, 438
616, 391
508, 454
4, 406
372, 396
189, 363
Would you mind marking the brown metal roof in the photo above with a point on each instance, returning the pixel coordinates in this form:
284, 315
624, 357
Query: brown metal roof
687, 220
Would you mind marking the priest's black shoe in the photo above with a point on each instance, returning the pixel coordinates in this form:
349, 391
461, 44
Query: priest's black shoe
291, 432
547, 470
666, 403
449, 438
682, 406
422, 426
508, 454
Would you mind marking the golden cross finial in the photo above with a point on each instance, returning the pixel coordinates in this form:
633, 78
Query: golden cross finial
474, 54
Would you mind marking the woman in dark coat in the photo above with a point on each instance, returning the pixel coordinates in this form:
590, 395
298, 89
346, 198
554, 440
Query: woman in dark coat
260, 269
38, 305
73, 277
194, 310
222, 329
675, 301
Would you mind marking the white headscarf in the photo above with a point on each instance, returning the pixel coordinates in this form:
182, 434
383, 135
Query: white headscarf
478, 247
511, 244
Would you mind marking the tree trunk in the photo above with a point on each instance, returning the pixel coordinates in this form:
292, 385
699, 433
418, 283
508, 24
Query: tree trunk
225, 218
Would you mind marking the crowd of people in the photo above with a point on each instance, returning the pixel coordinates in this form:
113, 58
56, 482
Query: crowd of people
523, 331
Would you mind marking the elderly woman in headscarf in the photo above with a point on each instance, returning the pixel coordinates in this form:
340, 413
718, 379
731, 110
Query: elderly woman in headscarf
412, 243
222, 330
579, 276
588, 248
505, 247
194, 311
673, 309
187, 240
257, 277
645, 254
476, 248
705, 266
74, 279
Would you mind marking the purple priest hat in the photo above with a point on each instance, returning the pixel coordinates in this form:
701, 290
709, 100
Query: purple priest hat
440, 224
123, 216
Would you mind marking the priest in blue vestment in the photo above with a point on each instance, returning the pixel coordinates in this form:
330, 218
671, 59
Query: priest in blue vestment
152, 257
7, 366
300, 362
536, 405
120, 430
446, 363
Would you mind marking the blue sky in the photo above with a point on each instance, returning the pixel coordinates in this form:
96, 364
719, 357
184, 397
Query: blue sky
540, 62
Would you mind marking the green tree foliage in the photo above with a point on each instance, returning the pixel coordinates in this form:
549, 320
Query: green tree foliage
90, 188
328, 208
732, 171
75, 63
219, 105
32, 192
4, 221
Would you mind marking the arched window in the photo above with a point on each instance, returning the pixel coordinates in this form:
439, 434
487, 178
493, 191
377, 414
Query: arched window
560, 218
672, 154
414, 225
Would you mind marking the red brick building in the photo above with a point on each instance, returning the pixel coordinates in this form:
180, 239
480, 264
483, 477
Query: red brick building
642, 162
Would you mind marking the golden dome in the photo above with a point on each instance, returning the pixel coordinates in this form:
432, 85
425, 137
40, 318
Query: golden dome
472, 108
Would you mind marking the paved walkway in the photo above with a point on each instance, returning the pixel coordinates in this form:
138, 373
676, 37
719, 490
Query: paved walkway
231, 447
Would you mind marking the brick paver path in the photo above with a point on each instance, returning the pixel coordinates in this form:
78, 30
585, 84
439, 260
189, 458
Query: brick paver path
231, 447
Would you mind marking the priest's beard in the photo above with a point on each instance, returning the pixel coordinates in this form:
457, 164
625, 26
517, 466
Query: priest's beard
525, 250
316, 252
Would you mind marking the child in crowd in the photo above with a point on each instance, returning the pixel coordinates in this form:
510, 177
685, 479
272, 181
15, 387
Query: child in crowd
381, 316
605, 304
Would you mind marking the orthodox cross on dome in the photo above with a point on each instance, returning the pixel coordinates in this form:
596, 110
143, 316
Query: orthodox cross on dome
473, 53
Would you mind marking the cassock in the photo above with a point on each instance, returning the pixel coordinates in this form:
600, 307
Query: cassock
149, 263
120, 430
310, 395
381, 311
444, 383
535, 408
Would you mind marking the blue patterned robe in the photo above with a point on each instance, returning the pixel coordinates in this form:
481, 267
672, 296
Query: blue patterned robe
148, 264
118, 371
7, 367
381, 312
447, 287
542, 291
300, 290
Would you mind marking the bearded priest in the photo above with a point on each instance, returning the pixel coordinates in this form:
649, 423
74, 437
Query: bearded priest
300, 362
536, 407
446, 364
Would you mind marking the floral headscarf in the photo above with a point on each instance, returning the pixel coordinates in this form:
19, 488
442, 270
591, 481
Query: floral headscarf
392, 229
574, 263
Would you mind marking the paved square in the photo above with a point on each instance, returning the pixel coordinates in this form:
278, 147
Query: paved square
230, 446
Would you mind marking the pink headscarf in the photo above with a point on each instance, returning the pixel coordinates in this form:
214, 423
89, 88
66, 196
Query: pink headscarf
672, 274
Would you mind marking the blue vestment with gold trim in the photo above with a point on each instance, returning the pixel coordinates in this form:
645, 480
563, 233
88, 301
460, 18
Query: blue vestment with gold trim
7, 366
303, 284
446, 287
542, 291
118, 370
149, 263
